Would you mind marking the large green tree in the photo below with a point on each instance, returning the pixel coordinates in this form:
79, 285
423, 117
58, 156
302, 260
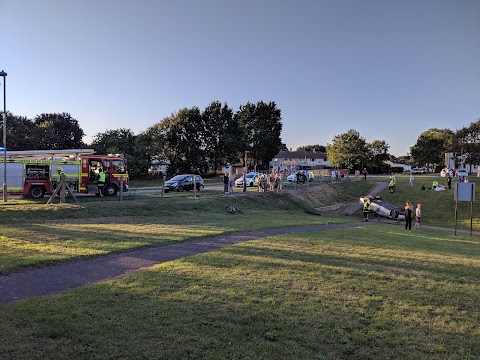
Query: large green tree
347, 150
262, 125
378, 154
57, 131
119, 141
19, 133
221, 135
181, 144
431, 147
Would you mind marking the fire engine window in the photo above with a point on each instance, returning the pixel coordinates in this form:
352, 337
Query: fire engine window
107, 165
95, 166
118, 166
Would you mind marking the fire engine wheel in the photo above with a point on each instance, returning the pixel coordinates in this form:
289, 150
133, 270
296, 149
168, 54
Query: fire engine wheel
110, 190
36, 192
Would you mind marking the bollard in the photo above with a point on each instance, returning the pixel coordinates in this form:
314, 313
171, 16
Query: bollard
121, 188
163, 186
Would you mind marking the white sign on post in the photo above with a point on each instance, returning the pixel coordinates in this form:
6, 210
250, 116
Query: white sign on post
464, 192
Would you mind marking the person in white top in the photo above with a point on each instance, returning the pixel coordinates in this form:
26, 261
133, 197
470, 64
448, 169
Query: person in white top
418, 216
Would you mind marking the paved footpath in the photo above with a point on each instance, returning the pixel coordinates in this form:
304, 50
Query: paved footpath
53, 279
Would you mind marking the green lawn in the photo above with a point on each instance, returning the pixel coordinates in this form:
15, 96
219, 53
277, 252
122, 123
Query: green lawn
373, 292
38, 234
438, 207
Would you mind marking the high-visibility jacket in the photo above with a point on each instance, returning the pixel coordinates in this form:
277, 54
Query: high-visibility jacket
366, 206
435, 183
101, 177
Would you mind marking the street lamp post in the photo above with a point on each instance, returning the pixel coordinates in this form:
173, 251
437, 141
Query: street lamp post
4, 74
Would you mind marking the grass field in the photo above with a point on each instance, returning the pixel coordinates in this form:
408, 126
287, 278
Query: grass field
373, 292
438, 207
38, 234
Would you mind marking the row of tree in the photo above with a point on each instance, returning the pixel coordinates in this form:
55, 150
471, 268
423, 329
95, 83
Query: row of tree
351, 150
191, 140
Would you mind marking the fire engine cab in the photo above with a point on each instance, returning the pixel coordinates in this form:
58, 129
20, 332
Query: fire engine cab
34, 173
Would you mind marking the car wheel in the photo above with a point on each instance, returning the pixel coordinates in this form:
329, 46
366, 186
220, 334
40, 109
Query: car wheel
251, 184
180, 189
394, 214
200, 187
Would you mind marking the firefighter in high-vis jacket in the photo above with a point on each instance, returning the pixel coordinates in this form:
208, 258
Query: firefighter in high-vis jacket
392, 183
101, 182
366, 208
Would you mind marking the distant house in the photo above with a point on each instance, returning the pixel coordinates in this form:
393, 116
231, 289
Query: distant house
399, 164
458, 162
293, 160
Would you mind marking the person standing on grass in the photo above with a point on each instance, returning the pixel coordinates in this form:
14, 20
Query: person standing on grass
225, 183
365, 174
408, 216
366, 208
449, 182
412, 179
231, 182
418, 216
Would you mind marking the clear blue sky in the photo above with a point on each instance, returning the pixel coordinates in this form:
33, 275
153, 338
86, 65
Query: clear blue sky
389, 69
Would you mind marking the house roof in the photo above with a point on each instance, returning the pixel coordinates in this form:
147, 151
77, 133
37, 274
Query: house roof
300, 155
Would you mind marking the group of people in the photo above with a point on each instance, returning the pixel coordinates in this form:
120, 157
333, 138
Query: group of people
337, 174
409, 215
270, 182
265, 182
228, 183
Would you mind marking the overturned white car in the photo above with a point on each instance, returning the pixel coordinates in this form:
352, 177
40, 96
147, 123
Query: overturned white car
384, 208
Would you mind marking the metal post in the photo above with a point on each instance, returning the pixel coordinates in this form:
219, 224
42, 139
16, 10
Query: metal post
163, 186
194, 186
4, 74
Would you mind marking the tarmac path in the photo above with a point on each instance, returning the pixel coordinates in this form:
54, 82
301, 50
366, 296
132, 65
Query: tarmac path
53, 279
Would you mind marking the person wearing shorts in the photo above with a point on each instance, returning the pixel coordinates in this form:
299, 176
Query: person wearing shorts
418, 216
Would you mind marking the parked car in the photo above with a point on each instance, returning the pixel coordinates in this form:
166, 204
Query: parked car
293, 177
446, 172
251, 179
184, 182
461, 173
422, 170
384, 208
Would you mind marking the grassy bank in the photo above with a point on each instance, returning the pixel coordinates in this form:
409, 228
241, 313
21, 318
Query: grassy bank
365, 293
38, 234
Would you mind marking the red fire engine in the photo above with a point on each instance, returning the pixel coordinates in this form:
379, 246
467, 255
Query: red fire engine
34, 173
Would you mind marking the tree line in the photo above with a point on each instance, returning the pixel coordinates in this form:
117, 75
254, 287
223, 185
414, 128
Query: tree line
189, 140
351, 151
